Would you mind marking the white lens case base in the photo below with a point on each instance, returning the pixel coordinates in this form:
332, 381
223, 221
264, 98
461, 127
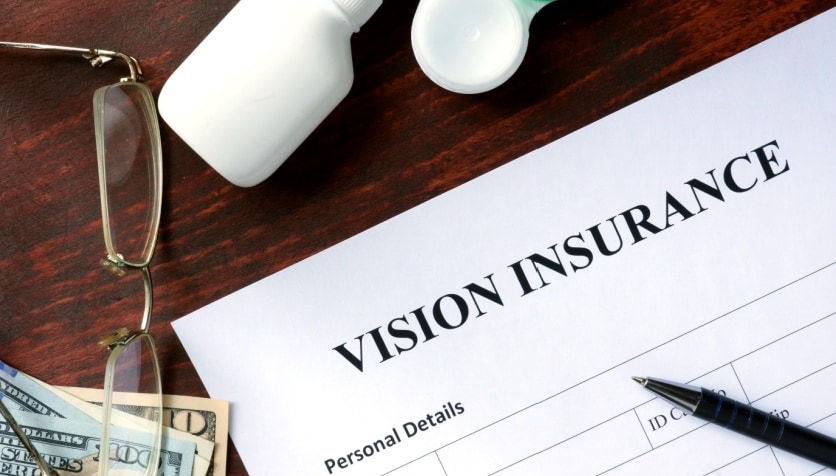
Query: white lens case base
472, 46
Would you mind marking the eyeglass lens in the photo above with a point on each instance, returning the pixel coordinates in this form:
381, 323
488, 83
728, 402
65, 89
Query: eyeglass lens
128, 145
132, 384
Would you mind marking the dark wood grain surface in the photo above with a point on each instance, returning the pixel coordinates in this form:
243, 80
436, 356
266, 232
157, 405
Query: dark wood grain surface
396, 141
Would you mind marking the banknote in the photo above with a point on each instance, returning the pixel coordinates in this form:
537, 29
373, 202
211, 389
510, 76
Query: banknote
140, 404
24, 394
72, 448
202, 417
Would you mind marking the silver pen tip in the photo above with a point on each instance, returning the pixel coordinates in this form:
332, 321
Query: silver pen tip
642, 381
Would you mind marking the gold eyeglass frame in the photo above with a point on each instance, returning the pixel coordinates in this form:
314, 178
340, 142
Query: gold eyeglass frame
114, 261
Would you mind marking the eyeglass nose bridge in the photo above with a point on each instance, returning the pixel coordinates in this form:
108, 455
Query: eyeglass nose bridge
119, 270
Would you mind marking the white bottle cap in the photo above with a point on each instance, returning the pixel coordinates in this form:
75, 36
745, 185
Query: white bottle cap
359, 11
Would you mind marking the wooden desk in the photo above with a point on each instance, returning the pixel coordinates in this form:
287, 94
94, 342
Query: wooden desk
396, 141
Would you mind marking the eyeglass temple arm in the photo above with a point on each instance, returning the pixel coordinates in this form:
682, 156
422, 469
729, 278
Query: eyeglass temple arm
96, 57
39, 460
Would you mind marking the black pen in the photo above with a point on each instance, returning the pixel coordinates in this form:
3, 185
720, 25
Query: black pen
742, 418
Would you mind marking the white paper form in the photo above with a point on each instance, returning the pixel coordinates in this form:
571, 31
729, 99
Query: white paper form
495, 328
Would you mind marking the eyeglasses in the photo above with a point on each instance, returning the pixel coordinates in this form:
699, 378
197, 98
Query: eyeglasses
130, 183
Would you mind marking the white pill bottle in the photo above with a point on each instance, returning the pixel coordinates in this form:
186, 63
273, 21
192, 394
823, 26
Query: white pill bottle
262, 81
